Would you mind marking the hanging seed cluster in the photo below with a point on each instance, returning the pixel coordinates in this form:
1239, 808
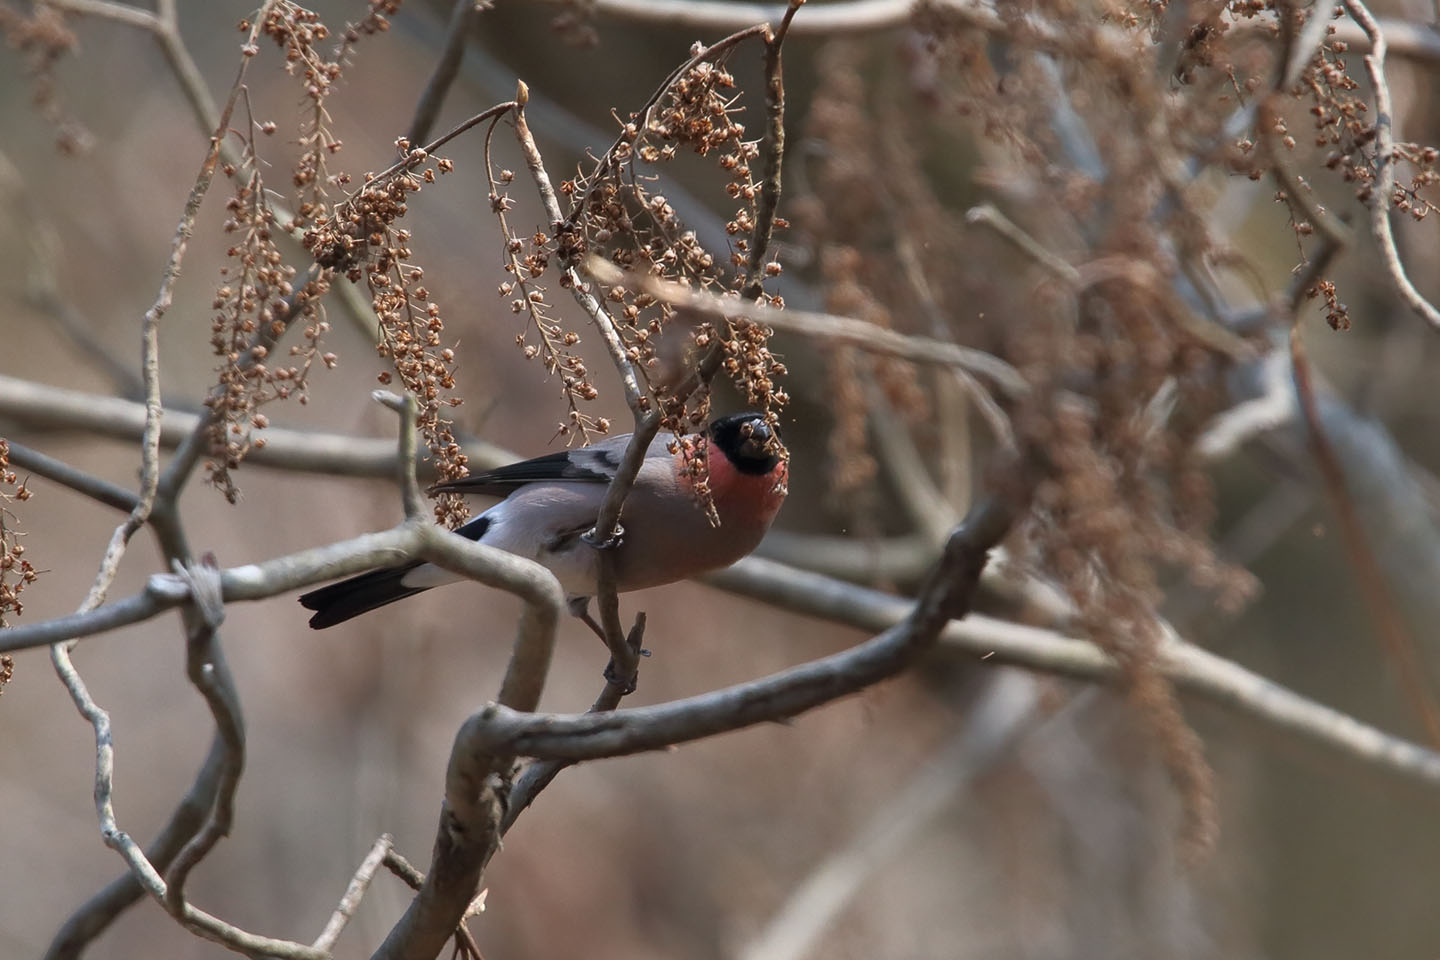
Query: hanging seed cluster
1344, 130
1344, 136
257, 298
616, 211
254, 304
16, 571
1123, 373
361, 239
526, 261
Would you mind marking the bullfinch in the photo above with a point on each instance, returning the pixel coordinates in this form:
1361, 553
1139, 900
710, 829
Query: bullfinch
551, 502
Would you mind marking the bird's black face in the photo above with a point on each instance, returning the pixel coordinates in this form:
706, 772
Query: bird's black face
748, 442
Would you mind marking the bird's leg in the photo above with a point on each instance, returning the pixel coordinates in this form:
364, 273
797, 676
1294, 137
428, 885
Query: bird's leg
580, 609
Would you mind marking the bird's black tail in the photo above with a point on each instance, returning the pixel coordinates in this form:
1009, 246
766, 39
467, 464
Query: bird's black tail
349, 598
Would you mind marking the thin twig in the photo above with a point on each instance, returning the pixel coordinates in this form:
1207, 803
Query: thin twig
642, 409
195, 920
150, 357
882, 560
96, 488
405, 407
988, 215
770, 183
951, 387
122, 13
827, 327
1301, 49
414, 879
418, 155
396, 863
610, 159
1299, 194
355, 892
635, 395
94, 916
164, 25
929, 513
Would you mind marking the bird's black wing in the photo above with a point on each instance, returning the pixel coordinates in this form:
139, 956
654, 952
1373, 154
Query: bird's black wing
595, 464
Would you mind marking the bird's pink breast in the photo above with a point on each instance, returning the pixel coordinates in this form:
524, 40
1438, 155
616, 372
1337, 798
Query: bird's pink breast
746, 498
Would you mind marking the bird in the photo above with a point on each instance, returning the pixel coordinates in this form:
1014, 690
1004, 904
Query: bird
551, 502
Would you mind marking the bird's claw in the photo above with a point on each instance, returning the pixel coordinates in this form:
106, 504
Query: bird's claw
617, 536
626, 684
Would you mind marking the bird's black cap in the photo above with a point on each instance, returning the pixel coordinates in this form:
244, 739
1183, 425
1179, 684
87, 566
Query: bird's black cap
748, 442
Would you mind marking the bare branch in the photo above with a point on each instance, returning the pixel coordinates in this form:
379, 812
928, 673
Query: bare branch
57, 408
354, 893
539, 773
406, 408
947, 594
196, 920
897, 559
988, 215
408, 541
150, 356
996, 641
770, 183
646, 417
96, 914
122, 13
475, 787
824, 326
1299, 194
96, 488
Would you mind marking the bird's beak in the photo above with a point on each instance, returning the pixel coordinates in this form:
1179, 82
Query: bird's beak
757, 439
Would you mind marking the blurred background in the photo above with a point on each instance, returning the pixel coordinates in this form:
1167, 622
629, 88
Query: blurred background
1062, 842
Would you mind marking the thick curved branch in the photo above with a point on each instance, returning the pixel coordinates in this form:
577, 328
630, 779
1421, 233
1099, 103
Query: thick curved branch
946, 595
